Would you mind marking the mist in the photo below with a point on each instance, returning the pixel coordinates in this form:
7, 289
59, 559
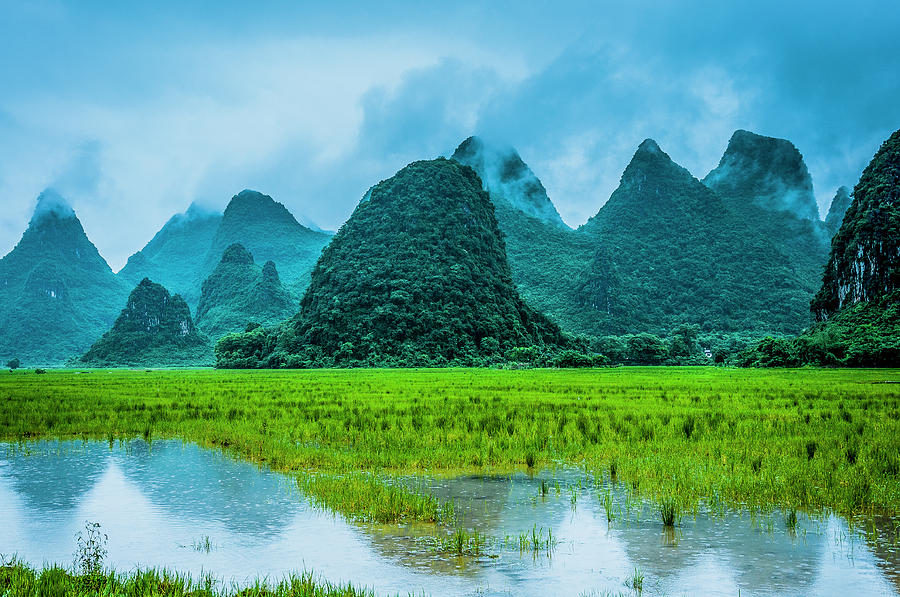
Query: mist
134, 116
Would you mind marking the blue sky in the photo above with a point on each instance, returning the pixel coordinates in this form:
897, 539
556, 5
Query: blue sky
134, 111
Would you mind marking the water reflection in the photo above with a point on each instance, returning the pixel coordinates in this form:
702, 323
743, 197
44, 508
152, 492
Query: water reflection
156, 502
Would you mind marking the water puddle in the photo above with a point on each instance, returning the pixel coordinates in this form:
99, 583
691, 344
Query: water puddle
194, 510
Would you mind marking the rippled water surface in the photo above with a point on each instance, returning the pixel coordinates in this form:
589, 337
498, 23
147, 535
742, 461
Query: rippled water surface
159, 505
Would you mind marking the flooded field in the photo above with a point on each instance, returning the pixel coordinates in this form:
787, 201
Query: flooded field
178, 506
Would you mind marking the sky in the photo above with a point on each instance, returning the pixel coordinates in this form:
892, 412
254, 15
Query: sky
132, 111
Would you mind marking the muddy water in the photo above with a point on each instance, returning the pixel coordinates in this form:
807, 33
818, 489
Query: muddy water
159, 506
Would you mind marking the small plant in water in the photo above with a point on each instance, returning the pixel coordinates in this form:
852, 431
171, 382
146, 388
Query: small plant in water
204, 544
544, 489
790, 520
636, 581
608, 506
668, 512
91, 550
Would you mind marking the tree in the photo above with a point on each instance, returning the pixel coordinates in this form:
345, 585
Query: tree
646, 349
13, 364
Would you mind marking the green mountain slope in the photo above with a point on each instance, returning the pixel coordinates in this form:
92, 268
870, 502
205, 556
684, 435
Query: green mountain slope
417, 276
546, 257
765, 183
57, 294
154, 329
268, 230
239, 292
839, 205
174, 257
858, 305
188, 248
865, 252
670, 252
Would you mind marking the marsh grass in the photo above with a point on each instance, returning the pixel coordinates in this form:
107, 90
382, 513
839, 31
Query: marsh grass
19, 579
669, 512
370, 498
635, 582
744, 435
203, 545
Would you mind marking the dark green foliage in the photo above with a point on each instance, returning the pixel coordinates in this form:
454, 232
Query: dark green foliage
154, 329
858, 306
13, 364
839, 205
771, 352
765, 185
239, 292
669, 252
57, 294
865, 253
416, 277
175, 255
645, 349
866, 334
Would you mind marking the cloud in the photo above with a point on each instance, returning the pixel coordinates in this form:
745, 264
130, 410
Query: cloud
137, 112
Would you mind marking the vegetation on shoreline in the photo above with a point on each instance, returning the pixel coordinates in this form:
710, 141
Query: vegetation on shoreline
17, 578
805, 439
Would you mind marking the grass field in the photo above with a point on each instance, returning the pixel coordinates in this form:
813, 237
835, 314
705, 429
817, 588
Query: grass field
807, 439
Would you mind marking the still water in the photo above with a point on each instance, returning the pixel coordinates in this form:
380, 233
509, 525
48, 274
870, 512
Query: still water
159, 505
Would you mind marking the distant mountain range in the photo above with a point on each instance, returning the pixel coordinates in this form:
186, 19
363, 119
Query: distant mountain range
740, 253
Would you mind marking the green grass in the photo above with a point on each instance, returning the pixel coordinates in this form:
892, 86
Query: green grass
21, 580
806, 439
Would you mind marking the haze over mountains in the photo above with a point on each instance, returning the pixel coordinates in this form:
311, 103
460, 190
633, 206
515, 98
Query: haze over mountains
740, 252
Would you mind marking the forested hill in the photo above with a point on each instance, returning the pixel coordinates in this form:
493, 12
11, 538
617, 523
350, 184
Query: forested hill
858, 304
154, 329
268, 230
240, 292
546, 257
864, 263
839, 205
508, 179
417, 275
670, 252
57, 294
765, 183
188, 248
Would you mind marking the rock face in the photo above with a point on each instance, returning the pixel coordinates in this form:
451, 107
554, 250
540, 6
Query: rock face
239, 292
57, 294
508, 179
669, 251
865, 252
175, 255
767, 172
154, 329
418, 275
836, 211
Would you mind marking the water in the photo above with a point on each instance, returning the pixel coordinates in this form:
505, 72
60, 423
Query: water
157, 504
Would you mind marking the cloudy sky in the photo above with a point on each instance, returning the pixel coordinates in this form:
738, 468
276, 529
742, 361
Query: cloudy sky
134, 112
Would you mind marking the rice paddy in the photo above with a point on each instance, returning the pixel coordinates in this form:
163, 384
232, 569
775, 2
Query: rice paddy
365, 443
804, 439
